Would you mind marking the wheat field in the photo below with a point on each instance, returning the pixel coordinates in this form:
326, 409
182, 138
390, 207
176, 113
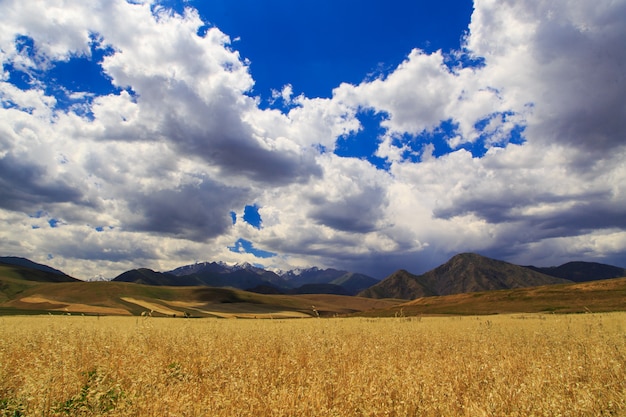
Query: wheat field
515, 365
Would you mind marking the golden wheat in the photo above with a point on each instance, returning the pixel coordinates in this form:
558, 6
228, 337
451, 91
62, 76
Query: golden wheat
533, 365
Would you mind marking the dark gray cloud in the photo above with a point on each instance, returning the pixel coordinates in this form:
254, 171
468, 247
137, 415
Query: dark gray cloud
235, 154
26, 186
381, 265
210, 129
583, 217
191, 212
567, 215
359, 212
584, 65
83, 247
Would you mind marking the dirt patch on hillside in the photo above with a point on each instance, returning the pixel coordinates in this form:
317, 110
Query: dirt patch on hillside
159, 308
343, 304
237, 310
54, 305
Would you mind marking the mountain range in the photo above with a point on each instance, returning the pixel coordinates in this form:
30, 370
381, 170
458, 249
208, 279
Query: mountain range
463, 273
466, 284
251, 278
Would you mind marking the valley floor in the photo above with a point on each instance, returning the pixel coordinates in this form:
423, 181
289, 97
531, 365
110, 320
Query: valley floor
505, 365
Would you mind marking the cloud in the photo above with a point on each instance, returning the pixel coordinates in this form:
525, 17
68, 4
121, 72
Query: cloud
193, 89
415, 95
35, 188
512, 146
564, 57
351, 198
196, 212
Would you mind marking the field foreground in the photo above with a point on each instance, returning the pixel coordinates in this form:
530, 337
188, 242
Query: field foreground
514, 365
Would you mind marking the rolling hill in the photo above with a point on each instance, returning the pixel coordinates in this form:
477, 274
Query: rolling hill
463, 273
31, 291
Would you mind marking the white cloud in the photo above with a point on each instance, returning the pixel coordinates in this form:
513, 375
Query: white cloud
415, 95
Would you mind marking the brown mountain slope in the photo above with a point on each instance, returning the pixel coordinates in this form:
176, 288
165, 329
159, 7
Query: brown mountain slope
463, 273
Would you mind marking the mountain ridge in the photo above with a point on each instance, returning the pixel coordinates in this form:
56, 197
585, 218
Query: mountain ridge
246, 276
463, 273
579, 271
43, 272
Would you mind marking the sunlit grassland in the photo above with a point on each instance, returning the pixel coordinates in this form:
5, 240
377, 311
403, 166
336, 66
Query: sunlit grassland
514, 365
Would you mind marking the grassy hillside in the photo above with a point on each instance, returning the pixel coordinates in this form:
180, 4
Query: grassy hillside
595, 296
12, 282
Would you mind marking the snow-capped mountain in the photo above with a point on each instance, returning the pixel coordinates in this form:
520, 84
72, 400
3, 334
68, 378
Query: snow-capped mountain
98, 278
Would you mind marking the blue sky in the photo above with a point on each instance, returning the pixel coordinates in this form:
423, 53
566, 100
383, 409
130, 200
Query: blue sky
315, 46
368, 136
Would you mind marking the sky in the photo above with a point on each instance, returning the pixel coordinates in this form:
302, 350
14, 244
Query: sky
368, 136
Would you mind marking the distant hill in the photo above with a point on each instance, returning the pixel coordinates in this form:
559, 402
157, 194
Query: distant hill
582, 271
350, 288
401, 284
147, 276
239, 278
298, 277
463, 273
320, 289
26, 290
33, 271
15, 278
266, 289
200, 267
353, 283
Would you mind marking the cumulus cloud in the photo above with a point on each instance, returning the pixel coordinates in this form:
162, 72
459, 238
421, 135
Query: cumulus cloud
149, 172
